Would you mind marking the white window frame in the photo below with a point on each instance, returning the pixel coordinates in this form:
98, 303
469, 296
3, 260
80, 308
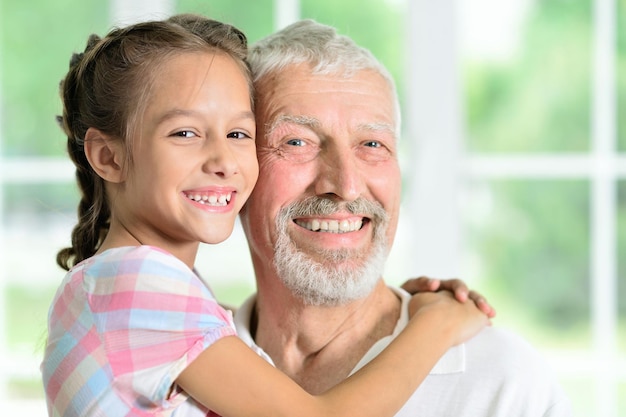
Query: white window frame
434, 117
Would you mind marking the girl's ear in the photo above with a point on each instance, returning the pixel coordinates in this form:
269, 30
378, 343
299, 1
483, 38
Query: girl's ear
105, 155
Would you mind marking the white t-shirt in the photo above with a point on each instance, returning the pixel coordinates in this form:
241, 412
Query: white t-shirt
495, 374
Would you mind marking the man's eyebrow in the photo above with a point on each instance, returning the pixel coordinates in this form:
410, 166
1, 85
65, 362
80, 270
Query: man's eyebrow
378, 127
314, 124
306, 121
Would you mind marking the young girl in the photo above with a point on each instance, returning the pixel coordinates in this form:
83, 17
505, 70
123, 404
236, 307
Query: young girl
160, 126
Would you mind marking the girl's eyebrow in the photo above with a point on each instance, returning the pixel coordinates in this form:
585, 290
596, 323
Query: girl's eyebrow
176, 112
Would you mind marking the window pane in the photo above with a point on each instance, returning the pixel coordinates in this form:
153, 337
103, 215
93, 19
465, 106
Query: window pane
255, 22
526, 68
377, 25
580, 392
36, 50
529, 241
621, 264
621, 402
36, 224
621, 73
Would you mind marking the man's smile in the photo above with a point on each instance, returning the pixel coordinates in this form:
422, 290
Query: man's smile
331, 225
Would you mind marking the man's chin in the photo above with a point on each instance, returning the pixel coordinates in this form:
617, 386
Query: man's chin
333, 281
340, 262
333, 295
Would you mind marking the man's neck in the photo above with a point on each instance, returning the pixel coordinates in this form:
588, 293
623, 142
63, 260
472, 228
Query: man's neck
319, 346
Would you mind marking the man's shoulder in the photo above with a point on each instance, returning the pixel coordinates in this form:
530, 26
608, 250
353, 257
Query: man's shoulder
501, 336
498, 343
505, 358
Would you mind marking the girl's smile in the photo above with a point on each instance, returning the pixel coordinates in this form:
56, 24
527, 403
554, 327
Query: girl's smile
210, 198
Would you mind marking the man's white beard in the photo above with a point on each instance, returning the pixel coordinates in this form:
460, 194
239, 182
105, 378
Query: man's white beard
343, 275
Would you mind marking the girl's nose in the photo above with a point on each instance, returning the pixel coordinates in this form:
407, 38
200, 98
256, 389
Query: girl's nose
220, 159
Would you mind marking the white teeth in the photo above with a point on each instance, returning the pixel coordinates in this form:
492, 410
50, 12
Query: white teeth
331, 226
212, 199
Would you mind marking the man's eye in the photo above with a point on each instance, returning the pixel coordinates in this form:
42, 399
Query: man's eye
295, 142
298, 150
374, 151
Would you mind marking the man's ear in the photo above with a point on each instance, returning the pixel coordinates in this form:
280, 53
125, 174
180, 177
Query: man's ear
105, 154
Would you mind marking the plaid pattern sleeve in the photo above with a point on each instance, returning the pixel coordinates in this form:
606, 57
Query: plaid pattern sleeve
122, 327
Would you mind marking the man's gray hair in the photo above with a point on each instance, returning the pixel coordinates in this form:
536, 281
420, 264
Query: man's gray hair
322, 48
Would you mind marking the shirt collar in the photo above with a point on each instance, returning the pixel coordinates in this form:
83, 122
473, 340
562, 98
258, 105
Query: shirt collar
453, 361
242, 319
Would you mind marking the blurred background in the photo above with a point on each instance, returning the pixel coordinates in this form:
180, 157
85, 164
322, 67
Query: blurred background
513, 152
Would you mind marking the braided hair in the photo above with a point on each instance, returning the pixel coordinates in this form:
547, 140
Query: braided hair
107, 88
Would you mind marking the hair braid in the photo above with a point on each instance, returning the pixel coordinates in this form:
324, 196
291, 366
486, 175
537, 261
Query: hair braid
93, 209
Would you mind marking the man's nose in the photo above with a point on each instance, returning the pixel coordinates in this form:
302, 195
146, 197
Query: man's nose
339, 174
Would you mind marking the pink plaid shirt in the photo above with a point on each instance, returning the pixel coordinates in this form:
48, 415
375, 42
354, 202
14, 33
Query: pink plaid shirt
122, 327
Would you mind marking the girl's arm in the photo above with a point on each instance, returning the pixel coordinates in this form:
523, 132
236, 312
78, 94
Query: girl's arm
232, 380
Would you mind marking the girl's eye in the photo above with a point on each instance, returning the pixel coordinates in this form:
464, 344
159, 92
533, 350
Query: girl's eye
238, 135
185, 134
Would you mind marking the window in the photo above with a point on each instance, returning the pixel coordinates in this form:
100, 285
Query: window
543, 222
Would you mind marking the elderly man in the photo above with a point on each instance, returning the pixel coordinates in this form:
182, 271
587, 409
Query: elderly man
320, 224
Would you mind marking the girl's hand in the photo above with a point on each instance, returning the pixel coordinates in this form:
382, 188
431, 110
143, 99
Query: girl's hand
455, 286
457, 321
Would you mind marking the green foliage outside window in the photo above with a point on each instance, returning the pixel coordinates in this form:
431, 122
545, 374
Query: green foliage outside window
621, 250
38, 38
540, 99
378, 25
534, 246
254, 18
621, 74
374, 24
